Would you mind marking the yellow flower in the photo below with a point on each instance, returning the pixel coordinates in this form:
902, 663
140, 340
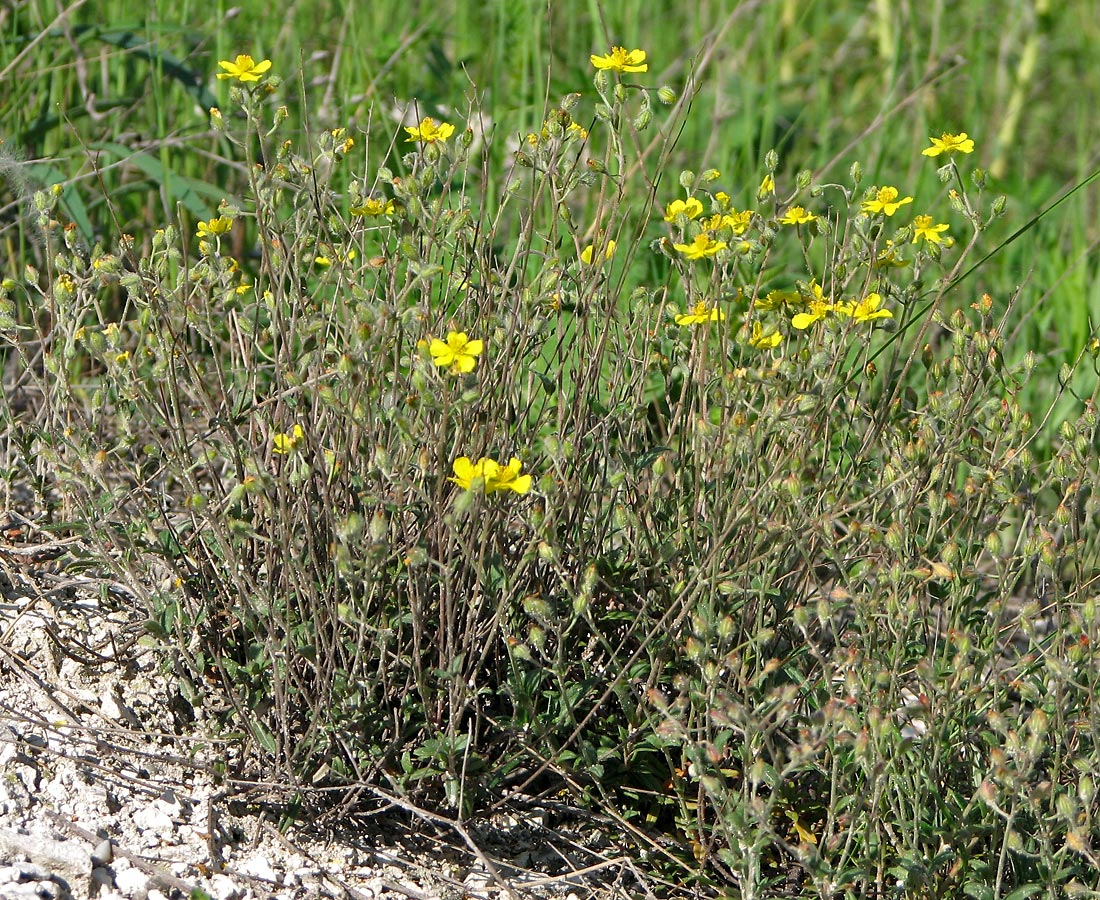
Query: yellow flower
690, 208
865, 310
427, 132
622, 60
923, 228
506, 478
244, 68
459, 352
762, 341
886, 202
215, 227
767, 186
888, 257
466, 471
284, 443
334, 254
586, 253
820, 306
340, 140
796, 215
700, 314
949, 143
703, 245
576, 130
493, 476
372, 207
776, 299
737, 222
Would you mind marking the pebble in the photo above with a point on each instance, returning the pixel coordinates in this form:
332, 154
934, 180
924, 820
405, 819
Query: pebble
223, 888
153, 818
132, 883
258, 866
103, 853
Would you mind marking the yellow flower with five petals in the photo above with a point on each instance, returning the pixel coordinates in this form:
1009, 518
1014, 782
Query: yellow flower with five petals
885, 201
490, 475
700, 314
924, 229
691, 208
428, 132
797, 215
949, 143
244, 68
621, 60
702, 246
458, 352
865, 310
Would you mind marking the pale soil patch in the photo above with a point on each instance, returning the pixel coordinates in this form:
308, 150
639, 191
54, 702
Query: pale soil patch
109, 785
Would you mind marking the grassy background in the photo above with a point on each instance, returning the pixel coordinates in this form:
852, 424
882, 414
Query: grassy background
110, 98
902, 544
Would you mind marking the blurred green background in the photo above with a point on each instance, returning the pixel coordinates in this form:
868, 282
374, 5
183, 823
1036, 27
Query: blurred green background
110, 99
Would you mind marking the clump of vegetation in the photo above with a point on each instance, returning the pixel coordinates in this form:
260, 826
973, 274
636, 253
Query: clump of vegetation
714, 506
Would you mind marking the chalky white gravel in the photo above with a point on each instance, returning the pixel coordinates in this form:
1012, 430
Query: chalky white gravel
108, 791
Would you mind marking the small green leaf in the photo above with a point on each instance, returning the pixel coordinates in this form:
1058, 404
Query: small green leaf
1022, 893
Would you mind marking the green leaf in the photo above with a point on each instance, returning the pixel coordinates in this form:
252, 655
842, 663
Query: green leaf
186, 190
265, 738
1022, 893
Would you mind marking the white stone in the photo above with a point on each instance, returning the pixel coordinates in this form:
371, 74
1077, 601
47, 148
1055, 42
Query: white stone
223, 888
259, 866
153, 818
133, 883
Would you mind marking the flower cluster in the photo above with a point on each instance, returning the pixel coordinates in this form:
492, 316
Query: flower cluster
490, 475
458, 353
707, 226
818, 306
